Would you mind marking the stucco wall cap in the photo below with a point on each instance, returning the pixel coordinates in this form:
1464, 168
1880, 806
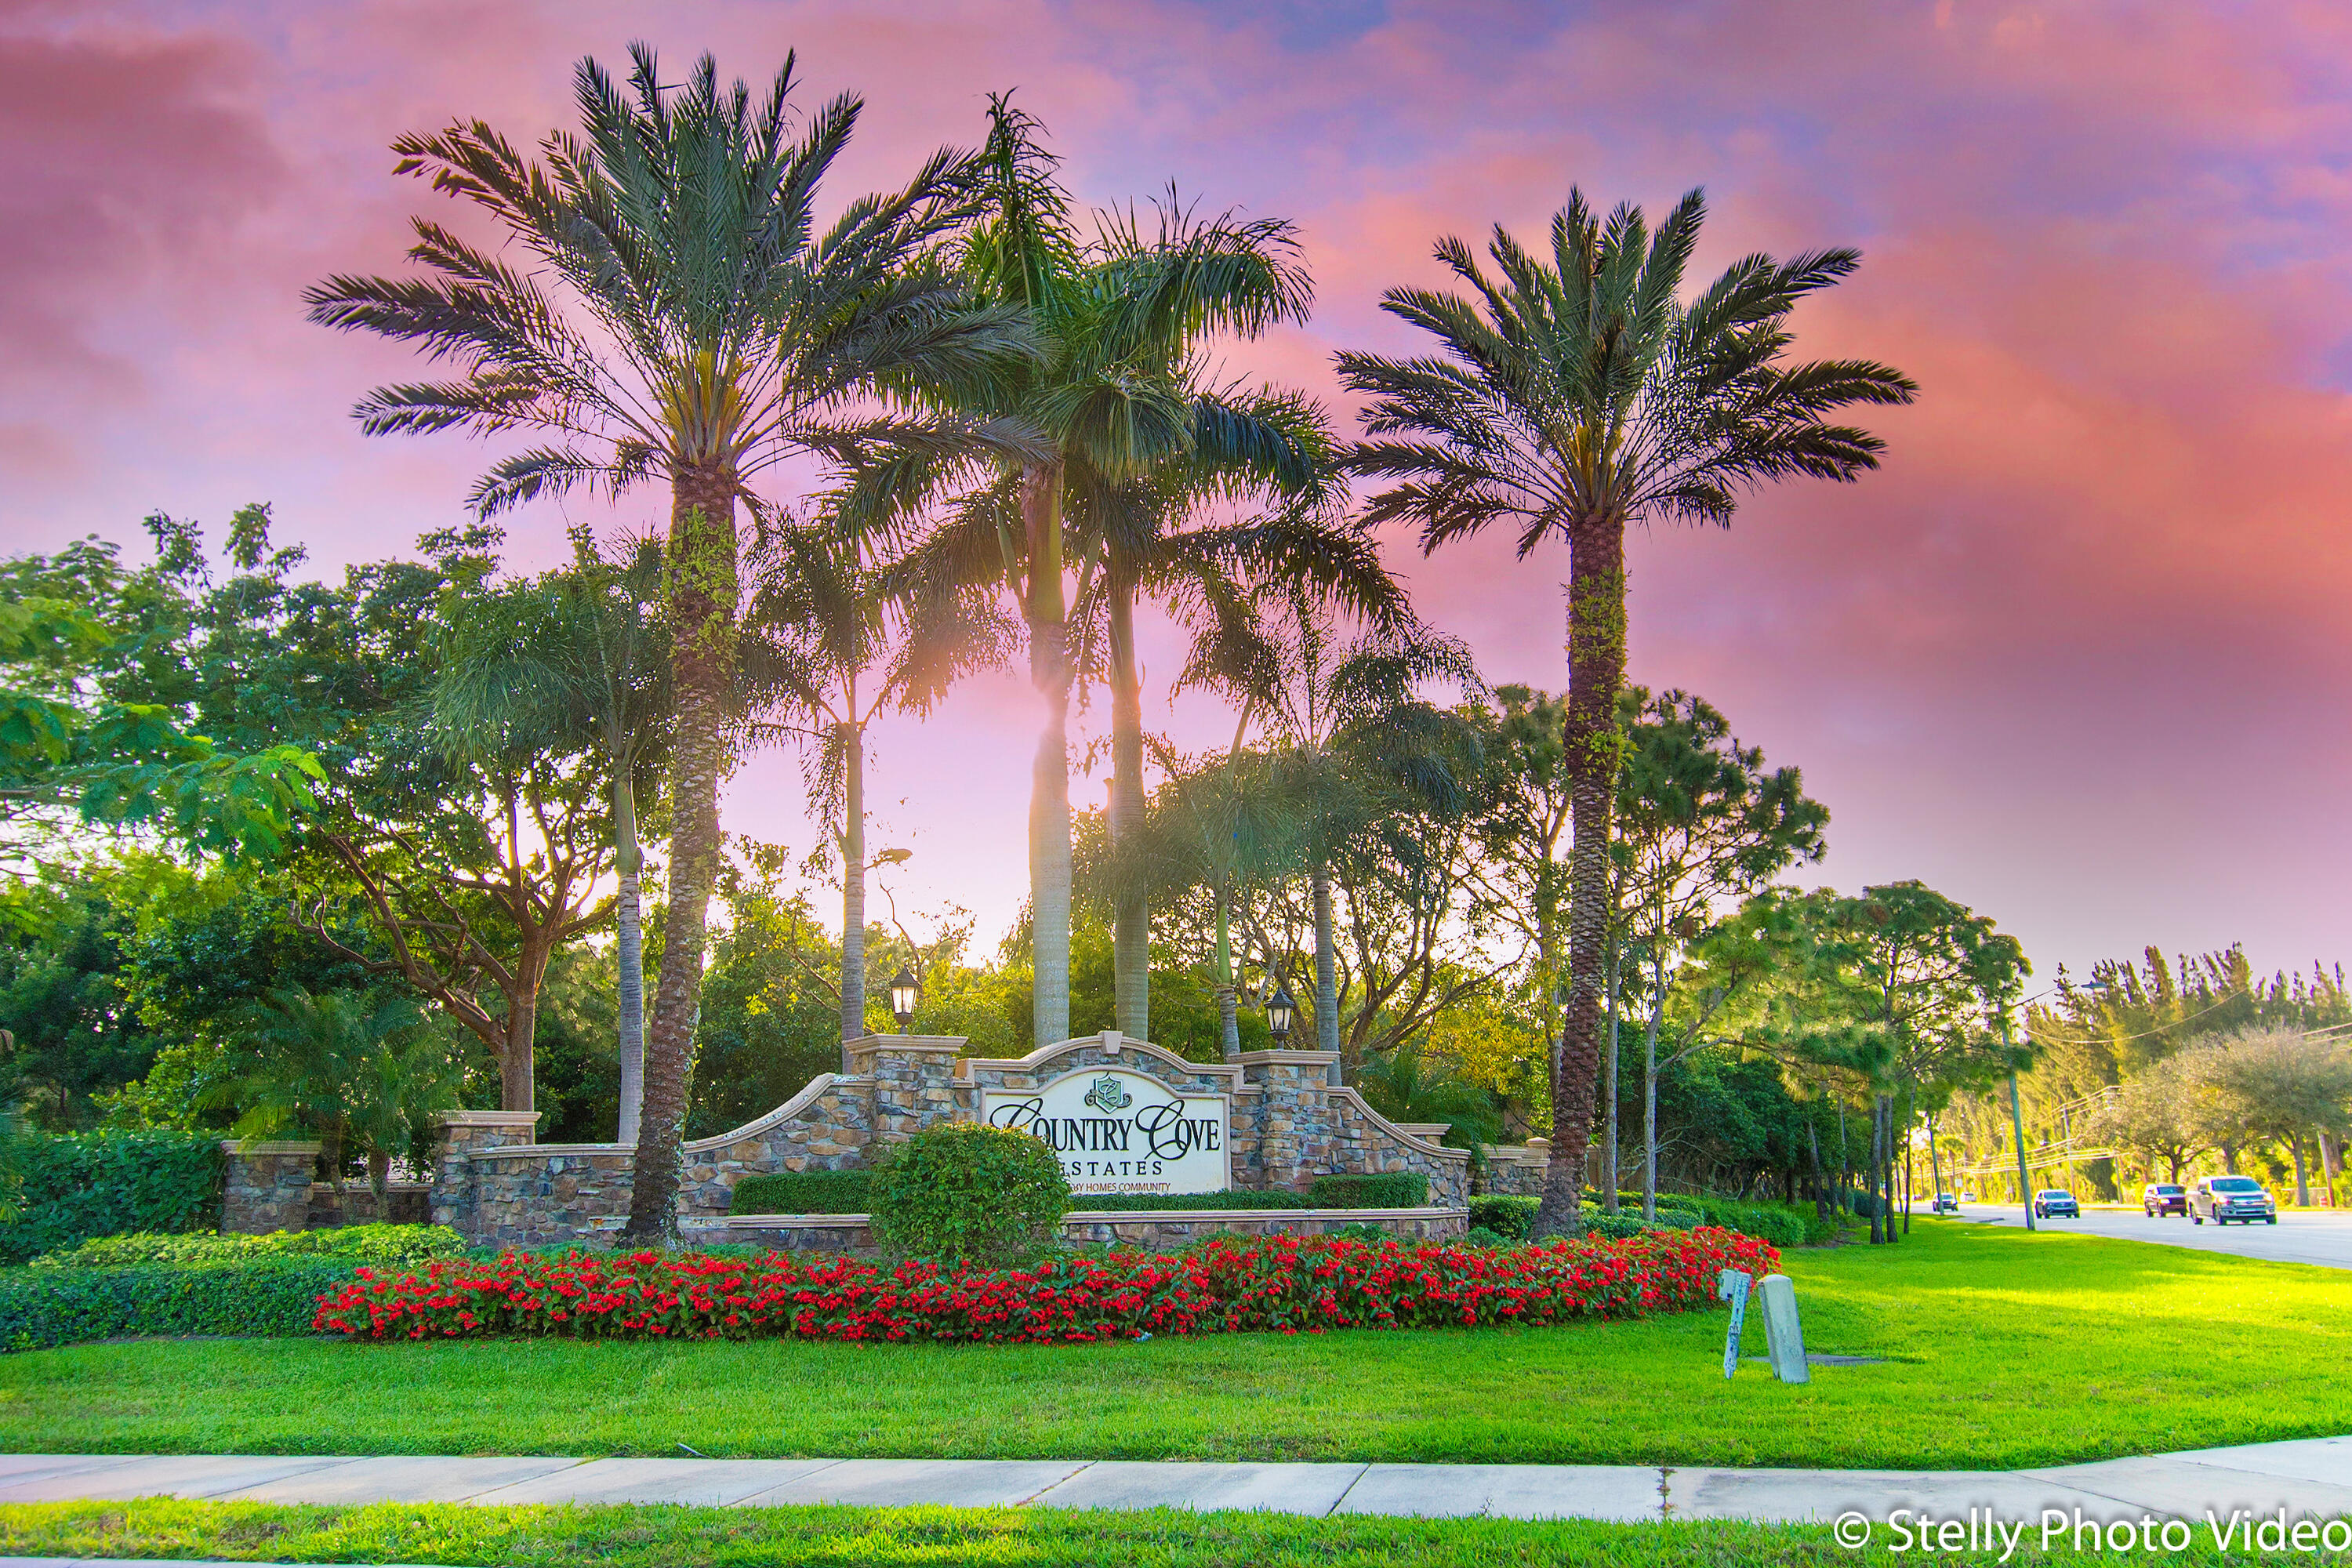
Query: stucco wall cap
1289, 1058
1036, 1059
946, 1044
532, 1150
287, 1146
486, 1119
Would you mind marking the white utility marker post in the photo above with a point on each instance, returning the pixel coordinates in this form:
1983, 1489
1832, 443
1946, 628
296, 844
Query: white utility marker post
1731, 1285
1784, 1337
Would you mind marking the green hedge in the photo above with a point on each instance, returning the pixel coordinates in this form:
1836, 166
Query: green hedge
1393, 1189
387, 1245
83, 1184
275, 1296
1505, 1213
958, 1189
804, 1192
1161, 1203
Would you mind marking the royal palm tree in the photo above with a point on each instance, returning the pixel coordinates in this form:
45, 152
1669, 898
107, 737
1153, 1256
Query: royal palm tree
1578, 392
686, 320
1121, 404
578, 658
832, 652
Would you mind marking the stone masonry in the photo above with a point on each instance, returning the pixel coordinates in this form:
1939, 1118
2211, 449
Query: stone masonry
266, 1187
1287, 1126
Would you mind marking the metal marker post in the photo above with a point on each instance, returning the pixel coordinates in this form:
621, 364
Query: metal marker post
1732, 1286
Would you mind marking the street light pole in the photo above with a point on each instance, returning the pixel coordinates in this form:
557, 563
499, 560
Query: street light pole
2017, 1127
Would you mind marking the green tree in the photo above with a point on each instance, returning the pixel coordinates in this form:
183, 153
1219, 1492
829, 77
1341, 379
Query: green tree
1577, 394
688, 321
576, 662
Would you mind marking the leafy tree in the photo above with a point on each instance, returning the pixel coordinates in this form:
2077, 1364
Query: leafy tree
2265, 1084
1579, 393
688, 321
575, 663
1409, 1085
2153, 1116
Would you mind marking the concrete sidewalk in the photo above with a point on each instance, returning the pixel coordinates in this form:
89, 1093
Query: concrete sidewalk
2312, 1478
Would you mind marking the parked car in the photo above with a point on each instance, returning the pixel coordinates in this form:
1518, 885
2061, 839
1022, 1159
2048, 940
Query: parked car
1947, 1203
2161, 1198
2225, 1198
2050, 1202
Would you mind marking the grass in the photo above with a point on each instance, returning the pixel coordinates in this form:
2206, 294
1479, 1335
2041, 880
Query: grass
662, 1537
2004, 1349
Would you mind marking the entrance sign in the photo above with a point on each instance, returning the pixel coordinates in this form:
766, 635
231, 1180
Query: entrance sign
1122, 1132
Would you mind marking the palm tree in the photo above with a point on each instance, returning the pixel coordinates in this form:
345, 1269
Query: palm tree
1210, 576
1119, 404
1356, 739
821, 625
578, 657
686, 320
1576, 394
1222, 825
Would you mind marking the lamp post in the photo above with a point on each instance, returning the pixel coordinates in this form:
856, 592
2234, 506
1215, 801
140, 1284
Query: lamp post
904, 993
1279, 1012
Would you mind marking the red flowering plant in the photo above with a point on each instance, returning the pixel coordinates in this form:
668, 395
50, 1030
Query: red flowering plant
1284, 1284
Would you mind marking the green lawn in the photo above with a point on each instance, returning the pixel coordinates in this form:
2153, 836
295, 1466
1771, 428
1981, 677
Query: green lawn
2005, 1349
919, 1538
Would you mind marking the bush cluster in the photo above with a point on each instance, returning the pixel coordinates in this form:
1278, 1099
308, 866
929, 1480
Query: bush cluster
81, 1185
1389, 1190
1283, 1284
1505, 1213
391, 1245
274, 1295
804, 1192
961, 1190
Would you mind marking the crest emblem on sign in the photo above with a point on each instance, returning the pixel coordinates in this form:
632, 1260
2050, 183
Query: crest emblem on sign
1106, 1095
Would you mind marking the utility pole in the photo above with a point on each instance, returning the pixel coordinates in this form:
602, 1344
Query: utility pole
2017, 1126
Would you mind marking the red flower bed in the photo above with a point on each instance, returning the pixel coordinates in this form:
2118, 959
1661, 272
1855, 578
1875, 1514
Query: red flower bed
1280, 1283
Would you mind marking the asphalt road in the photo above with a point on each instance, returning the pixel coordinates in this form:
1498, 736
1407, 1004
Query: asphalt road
2324, 1239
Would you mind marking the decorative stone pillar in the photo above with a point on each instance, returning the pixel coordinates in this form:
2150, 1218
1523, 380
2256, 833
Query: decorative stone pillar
267, 1187
462, 1134
913, 1078
1299, 1137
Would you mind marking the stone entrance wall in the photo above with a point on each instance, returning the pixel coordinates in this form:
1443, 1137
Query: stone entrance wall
1285, 1123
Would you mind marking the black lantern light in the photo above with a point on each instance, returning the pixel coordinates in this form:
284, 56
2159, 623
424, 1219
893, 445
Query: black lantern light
904, 993
1279, 1012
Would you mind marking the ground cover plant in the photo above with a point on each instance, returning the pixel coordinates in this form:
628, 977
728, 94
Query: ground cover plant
834, 1537
2003, 1349
1284, 1284
383, 1245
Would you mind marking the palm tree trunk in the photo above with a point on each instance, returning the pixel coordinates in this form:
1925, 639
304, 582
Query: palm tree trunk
1327, 973
1132, 907
1608, 1078
1228, 1016
1596, 671
702, 591
853, 884
628, 860
1049, 790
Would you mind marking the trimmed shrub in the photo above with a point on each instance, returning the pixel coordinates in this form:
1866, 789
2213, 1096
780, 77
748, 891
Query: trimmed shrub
393, 1245
81, 1185
1477, 1235
1505, 1213
804, 1192
270, 1296
1623, 1226
1282, 1284
1161, 1203
960, 1190
1389, 1190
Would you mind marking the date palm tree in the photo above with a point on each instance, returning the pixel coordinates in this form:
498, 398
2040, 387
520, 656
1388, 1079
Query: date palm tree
685, 319
1120, 404
1575, 392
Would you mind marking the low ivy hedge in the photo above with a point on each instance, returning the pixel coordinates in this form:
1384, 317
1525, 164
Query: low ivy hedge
81, 1185
1389, 1190
275, 1295
804, 1192
388, 1245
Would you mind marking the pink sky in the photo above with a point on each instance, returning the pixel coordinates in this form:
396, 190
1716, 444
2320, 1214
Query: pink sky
2077, 656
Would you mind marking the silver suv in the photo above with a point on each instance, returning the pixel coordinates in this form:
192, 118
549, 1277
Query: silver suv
2225, 1198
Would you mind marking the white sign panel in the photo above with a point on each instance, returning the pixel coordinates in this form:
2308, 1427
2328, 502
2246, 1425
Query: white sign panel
1122, 1132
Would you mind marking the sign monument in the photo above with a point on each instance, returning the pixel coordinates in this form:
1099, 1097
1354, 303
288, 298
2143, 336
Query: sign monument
1119, 1131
